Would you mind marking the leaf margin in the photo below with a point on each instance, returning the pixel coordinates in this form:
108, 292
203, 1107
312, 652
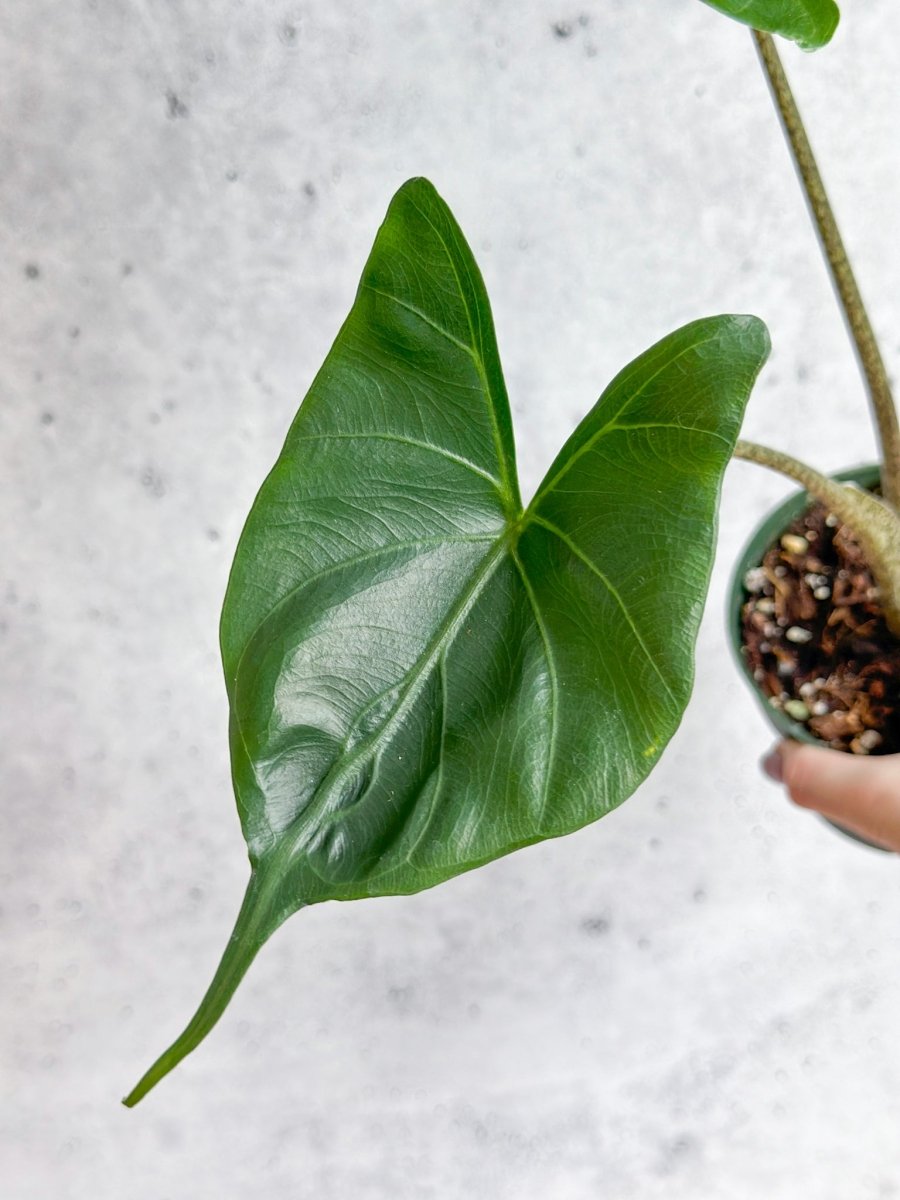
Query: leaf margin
809, 23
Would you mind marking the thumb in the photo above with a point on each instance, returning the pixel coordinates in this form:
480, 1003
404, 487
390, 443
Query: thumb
858, 792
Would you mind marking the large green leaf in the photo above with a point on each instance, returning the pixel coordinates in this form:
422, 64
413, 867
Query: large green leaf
421, 676
809, 23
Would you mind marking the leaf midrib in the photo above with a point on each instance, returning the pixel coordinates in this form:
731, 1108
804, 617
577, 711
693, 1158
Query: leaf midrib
508, 492
316, 815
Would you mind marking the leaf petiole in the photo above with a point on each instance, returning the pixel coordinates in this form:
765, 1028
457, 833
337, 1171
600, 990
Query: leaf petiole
252, 928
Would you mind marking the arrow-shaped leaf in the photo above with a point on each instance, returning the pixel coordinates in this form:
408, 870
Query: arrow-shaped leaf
809, 23
422, 676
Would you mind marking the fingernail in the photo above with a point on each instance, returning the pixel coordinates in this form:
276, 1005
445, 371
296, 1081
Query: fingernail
773, 765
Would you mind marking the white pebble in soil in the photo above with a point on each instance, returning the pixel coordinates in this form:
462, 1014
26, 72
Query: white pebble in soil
793, 543
798, 635
755, 579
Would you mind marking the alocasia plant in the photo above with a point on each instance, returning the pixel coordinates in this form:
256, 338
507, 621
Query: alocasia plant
422, 675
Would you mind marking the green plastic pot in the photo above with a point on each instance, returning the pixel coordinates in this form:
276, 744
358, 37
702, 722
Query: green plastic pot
769, 531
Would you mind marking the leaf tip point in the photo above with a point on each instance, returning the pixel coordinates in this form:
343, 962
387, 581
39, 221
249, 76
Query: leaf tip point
417, 183
827, 34
755, 329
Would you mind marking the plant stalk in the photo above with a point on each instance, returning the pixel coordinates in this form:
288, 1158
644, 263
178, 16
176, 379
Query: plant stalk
858, 323
251, 930
829, 491
875, 525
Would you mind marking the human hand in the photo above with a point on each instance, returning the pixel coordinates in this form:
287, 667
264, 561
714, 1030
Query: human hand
858, 792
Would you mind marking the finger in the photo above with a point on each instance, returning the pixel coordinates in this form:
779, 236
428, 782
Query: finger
860, 793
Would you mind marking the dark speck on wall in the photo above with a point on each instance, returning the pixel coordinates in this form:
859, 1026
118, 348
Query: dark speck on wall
231, 175
565, 29
153, 482
674, 1153
401, 997
32, 271
309, 189
175, 107
288, 33
127, 268
595, 926
47, 418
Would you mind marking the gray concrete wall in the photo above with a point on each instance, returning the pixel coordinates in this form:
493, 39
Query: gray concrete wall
696, 997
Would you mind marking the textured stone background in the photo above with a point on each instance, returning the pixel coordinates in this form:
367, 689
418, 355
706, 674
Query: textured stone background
696, 997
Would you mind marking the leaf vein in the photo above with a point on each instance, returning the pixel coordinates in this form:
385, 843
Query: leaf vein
613, 591
554, 682
613, 420
405, 441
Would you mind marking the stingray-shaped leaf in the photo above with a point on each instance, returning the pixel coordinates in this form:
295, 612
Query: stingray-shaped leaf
809, 23
422, 676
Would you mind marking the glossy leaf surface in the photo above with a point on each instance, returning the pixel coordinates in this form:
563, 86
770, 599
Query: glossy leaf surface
422, 676
809, 23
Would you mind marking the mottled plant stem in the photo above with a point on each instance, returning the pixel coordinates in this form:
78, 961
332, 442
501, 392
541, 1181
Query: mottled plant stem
845, 284
832, 494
